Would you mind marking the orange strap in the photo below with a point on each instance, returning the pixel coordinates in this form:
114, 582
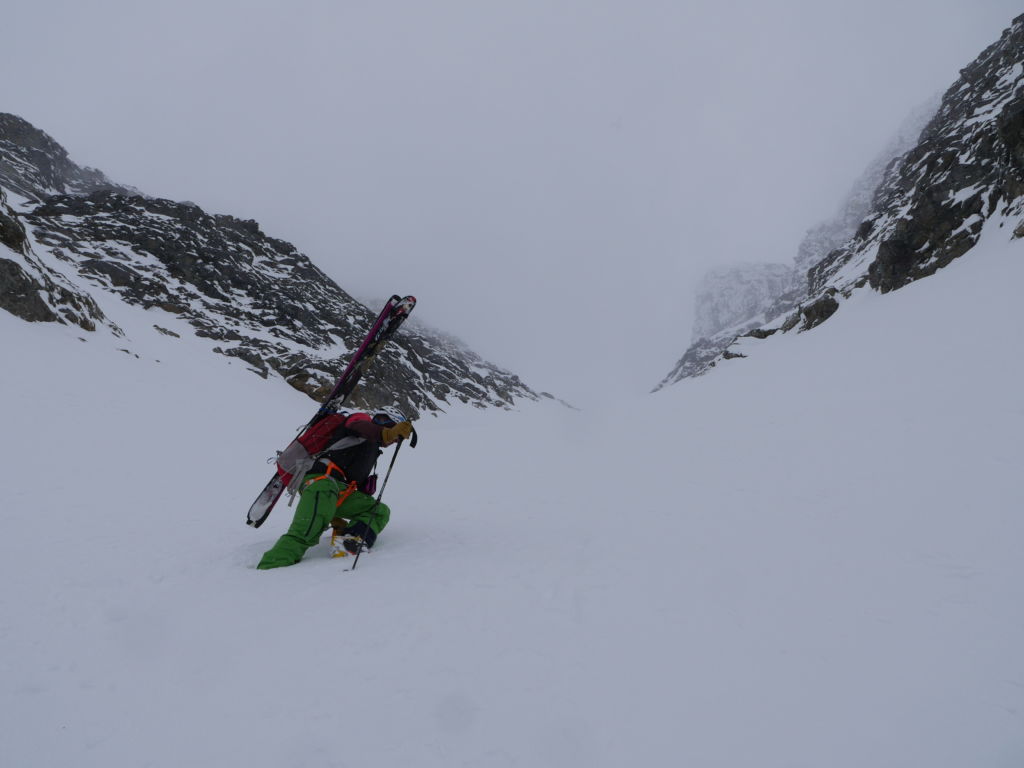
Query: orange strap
346, 493
331, 467
349, 489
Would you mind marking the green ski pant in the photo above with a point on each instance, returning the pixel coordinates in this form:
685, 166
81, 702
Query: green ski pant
318, 506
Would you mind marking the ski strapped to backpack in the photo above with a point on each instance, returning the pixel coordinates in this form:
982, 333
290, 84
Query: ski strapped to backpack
299, 456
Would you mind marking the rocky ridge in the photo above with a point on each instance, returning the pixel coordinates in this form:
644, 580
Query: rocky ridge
926, 206
80, 241
733, 301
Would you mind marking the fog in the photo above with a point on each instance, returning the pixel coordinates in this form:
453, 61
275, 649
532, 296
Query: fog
550, 179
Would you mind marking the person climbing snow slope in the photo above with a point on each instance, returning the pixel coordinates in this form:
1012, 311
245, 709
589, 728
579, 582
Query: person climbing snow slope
337, 491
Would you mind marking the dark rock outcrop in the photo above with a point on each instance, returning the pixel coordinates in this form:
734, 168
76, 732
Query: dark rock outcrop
818, 311
12, 232
31, 290
967, 167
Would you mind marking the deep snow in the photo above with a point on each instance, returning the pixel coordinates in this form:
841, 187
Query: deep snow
811, 557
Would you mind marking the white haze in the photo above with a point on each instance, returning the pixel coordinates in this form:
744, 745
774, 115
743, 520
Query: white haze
550, 178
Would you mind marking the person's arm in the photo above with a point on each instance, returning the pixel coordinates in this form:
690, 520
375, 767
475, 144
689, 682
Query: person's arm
375, 433
366, 428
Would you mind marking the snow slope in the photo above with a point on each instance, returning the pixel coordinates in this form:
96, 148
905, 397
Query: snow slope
811, 559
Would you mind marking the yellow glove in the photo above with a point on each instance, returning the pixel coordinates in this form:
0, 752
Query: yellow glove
388, 435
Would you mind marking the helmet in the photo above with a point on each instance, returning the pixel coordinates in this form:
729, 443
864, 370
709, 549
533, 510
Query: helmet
388, 417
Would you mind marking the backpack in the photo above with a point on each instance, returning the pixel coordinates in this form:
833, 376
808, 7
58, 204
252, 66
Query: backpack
296, 460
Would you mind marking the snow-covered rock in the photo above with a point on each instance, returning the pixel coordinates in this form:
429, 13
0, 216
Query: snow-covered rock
36, 167
34, 291
825, 237
968, 166
85, 242
910, 216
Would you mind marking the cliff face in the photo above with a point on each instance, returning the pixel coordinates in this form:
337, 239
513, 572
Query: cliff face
33, 291
78, 241
926, 207
967, 167
824, 238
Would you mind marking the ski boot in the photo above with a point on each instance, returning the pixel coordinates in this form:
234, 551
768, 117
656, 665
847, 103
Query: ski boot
338, 548
352, 543
345, 544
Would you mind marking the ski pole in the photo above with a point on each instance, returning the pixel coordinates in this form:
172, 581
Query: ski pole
384, 485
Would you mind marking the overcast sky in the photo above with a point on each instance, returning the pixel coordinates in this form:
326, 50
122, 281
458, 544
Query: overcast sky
549, 178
